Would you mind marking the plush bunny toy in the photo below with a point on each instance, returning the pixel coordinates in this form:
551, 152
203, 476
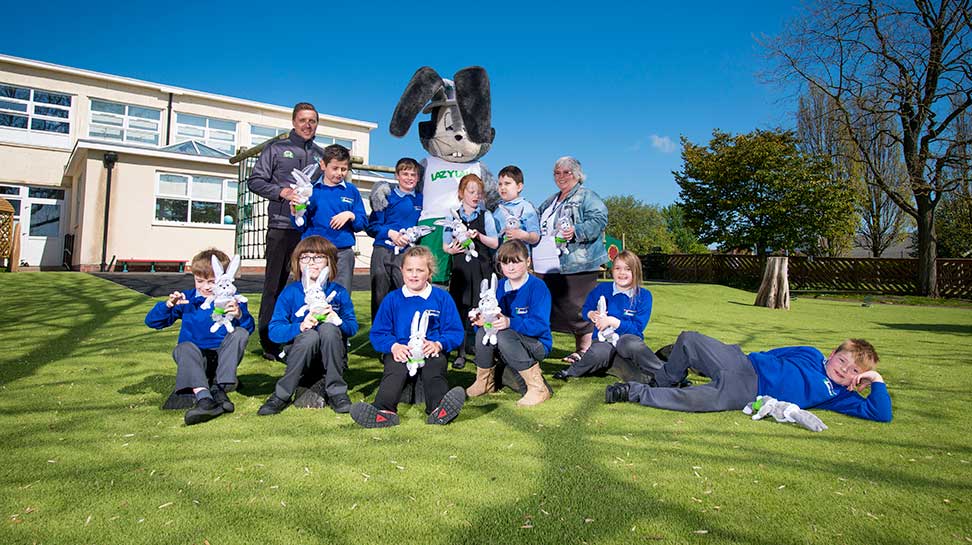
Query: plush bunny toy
303, 188
564, 224
783, 411
412, 235
315, 301
416, 341
460, 234
607, 334
488, 308
513, 221
458, 133
224, 291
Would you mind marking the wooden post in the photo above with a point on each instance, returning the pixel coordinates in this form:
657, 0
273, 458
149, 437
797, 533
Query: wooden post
774, 290
15, 250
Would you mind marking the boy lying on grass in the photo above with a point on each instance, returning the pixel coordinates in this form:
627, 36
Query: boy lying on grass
799, 374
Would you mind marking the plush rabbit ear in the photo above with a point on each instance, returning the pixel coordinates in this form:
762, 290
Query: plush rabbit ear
322, 278
305, 279
424, 324
233, 267
455, 214
472, 98
310, 170
425, 83
330, 296
217, 267
601, 304
484, 285
415, 323
492, 281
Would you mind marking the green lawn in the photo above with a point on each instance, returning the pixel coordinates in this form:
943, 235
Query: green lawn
88, 457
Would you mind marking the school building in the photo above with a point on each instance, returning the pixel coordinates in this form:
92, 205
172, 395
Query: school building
65, 132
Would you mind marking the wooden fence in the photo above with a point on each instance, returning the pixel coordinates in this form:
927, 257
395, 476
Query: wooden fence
835, 274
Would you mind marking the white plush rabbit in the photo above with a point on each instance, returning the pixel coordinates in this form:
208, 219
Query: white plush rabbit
416, 342
783, 411
488, 308
460, 234
607, 334
412, 235
513, 221
315, 301
564, 224
224, 291
304, 188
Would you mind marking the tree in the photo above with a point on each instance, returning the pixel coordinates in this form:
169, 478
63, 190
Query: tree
880, 221
909, 60
757, 190
639, 225
953, 223
685, 239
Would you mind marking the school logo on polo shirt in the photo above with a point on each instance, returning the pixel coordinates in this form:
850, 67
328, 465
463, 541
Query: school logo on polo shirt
522, 310
288, 154
348, 200
629, 312
433, 313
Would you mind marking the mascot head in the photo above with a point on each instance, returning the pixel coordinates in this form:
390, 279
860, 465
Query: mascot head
460, 128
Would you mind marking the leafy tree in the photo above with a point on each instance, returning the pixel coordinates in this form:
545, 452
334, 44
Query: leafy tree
685, 239
759, 191
639, 225
907, 60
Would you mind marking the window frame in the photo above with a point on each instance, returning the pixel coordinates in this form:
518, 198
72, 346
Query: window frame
224, 200
208, 132
31, 115
125, 127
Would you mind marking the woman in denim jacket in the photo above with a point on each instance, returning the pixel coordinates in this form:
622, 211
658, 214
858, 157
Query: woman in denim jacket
571, 271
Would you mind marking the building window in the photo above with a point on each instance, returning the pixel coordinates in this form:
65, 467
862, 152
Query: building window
215, 133
260, 134
12, 194
185, 198
323, 141
125, 123
34, 109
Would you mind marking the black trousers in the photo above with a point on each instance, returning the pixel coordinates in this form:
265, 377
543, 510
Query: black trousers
386, 275
434, 383
280, 245
321, 351
191, 361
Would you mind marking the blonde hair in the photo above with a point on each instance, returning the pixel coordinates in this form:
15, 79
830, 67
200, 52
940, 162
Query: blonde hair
421, 252
314, 244
202, 263
633, 262
862, 353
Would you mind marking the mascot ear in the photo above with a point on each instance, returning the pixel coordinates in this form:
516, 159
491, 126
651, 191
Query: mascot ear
472, 96
423, 85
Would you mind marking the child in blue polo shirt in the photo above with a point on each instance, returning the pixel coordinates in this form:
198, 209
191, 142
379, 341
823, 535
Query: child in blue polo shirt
801, 375
515, 210
401, 212
199, 347
393, 335
628, 312
315, 347
522, 329
335, 210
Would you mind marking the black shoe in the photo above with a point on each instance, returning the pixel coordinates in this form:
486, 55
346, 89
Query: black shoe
616, 392
205, 410
368, 416
340, 403
561, 375
273, 405
219, 394
459, 363
449, 407
270, 356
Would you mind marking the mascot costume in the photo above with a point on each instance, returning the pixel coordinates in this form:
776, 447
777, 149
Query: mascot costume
458, 133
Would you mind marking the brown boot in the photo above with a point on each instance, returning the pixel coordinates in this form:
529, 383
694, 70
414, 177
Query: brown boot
484, 382
537, 391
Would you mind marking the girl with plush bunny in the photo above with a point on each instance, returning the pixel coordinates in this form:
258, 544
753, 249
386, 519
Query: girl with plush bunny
202, 346
404, 341
315, 317
468, 274
619, 344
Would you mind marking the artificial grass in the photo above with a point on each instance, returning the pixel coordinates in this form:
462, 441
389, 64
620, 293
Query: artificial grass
88, 457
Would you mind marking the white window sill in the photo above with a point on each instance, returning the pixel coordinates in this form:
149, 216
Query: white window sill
183, 224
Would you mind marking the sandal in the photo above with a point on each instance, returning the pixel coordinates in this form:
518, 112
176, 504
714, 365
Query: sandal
573, 358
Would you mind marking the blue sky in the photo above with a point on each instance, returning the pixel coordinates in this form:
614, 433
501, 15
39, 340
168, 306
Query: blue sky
613, 85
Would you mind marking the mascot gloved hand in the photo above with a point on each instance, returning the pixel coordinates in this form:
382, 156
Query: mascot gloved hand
783, 411
458, 133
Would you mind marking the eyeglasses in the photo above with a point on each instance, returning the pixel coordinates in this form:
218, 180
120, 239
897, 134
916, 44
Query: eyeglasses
316, 259
563, 173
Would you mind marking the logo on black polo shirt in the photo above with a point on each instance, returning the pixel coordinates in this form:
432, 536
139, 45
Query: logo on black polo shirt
288, 154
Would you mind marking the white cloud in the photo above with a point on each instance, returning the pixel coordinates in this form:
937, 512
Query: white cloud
663, 144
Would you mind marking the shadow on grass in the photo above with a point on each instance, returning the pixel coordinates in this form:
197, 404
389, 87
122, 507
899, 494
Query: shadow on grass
932, 328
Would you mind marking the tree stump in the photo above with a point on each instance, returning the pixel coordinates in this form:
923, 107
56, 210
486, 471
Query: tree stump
774, 290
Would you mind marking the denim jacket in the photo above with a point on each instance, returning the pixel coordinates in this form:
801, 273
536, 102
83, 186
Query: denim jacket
590, 217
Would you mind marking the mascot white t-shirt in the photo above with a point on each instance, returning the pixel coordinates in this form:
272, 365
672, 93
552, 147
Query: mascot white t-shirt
440, 189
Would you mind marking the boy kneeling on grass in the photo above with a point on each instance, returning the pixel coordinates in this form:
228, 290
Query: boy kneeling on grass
198, 346
800, 375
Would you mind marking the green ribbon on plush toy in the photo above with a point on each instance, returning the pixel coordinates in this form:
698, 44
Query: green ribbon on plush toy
559, 240
218, 310
299, 207
466, 243
322, 317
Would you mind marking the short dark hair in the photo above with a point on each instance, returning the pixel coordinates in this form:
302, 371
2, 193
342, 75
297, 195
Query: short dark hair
314, 244
407, 163
336, 152
511, 171
202, 263
303, 106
